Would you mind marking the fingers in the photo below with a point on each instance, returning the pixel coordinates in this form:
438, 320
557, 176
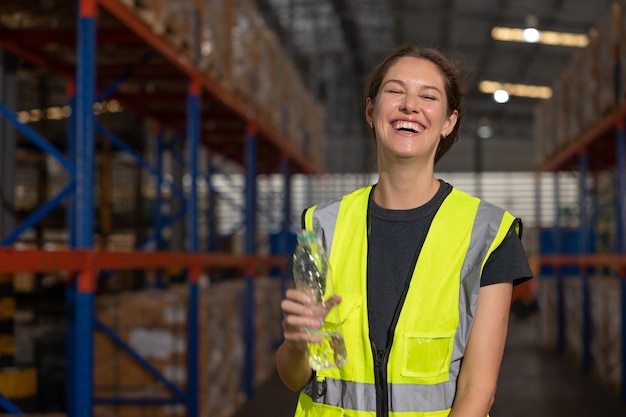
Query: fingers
332, 301
298, 316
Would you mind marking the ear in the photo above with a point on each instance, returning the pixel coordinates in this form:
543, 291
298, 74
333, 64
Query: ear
369, 110
448, 126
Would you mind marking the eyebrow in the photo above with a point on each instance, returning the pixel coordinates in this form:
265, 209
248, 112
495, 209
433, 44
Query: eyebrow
425, 87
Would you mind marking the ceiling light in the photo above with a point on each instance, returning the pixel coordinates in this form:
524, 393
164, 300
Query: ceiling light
531, 35
576, 40
519, 90
501, 96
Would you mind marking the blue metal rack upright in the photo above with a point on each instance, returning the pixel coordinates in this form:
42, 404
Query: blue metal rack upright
250, 248
80, 311
193, 145
585, 231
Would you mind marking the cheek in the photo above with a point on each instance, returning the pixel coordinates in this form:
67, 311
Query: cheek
436, 115
385, 106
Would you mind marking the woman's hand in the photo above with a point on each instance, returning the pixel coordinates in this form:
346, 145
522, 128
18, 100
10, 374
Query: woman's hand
299, 315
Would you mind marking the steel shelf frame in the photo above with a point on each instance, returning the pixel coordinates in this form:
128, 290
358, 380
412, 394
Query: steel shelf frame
82, 262
578, 155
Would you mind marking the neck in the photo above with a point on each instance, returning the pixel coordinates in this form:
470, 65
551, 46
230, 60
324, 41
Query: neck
402, 190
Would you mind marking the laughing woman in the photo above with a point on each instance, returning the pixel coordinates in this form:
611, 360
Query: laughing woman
425, 271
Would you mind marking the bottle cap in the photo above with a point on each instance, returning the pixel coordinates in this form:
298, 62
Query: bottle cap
305, 235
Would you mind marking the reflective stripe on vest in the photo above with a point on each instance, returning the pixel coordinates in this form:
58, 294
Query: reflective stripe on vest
339, 388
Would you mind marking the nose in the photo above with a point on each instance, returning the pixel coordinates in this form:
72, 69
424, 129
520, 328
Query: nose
410, 104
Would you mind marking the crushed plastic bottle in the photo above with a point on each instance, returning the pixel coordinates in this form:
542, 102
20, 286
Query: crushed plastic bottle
312, 275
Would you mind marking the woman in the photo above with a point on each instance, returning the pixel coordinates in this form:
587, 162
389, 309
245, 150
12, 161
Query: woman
425, 272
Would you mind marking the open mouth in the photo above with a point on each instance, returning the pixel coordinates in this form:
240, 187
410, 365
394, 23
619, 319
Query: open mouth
407, 126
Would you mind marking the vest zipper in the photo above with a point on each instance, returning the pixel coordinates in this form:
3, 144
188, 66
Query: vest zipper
380, 381
382, 357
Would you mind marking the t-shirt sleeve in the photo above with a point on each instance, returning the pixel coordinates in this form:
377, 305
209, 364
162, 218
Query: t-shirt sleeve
508, 262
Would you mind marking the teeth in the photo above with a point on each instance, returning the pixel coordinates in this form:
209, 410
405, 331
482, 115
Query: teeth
404, 124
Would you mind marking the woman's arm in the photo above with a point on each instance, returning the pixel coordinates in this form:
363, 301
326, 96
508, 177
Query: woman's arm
478, 376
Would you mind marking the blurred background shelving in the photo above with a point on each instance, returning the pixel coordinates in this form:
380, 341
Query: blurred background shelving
156, 155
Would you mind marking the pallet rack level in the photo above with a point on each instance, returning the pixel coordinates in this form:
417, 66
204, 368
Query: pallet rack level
265, 151
599, 148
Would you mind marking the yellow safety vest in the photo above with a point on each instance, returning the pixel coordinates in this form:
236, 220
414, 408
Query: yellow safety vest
433, 326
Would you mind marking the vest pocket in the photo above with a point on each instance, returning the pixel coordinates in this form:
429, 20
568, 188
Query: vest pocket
427, 355
323, 410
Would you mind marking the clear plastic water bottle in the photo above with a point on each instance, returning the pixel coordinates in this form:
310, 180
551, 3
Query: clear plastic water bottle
312, 275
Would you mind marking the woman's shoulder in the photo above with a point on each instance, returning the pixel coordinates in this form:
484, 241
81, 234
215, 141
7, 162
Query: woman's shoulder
464, 196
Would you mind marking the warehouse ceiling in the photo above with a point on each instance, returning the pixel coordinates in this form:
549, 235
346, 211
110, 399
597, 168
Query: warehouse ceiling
350, 36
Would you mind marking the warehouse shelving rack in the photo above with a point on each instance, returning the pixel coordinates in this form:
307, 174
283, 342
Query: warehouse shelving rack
198, 98
600, 148
583, 153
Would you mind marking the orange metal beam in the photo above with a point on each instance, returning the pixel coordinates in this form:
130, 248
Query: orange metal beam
578, 145
12, 260
585, 260
37, 37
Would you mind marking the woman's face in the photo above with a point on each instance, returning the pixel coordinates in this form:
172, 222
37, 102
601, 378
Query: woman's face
409, 114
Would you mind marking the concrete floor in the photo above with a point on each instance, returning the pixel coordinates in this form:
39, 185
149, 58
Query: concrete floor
533, 382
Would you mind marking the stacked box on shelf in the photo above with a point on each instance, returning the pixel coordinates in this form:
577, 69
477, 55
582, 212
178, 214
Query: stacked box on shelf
27, 182
590, 72
176, 20
288, 96
298, 96
238, 50
317, 129
270, 74
221, 332
545, 126
562, 92
123, 185
120, 242
180, 19
304, 123
606, 67
605, 225
572, 309
154, 324
576, 94
542, 150
606, 342
621, 53
215, 39
244, 49
551, 114
267, 333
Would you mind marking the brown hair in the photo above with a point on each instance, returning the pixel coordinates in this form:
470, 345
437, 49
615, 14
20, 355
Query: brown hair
451, 75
